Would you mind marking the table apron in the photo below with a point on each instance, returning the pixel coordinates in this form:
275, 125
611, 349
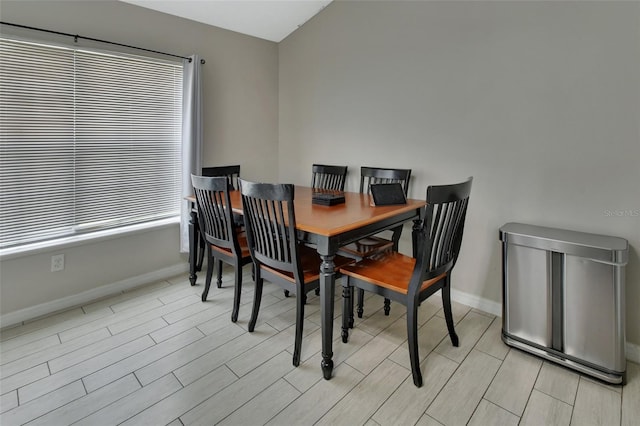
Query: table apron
330, 245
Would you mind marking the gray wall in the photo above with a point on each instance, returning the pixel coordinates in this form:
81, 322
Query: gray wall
240, 108
539, 101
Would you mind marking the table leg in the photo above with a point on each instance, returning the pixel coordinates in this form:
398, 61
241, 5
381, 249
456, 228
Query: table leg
327, 290
193, 247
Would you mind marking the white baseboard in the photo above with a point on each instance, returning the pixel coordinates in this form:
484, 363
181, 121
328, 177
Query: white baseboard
632, 351
477, 302
79, 299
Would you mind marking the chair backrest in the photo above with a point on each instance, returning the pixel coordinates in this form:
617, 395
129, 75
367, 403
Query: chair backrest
231, 172
270, 223
440, 236
328, 177
372, 175
214, 211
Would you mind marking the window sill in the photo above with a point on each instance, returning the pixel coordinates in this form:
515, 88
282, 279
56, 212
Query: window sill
89, 238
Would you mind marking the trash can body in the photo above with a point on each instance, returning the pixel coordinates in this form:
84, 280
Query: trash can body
563, 297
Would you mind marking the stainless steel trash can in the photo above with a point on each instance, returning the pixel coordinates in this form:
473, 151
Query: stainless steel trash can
563, 297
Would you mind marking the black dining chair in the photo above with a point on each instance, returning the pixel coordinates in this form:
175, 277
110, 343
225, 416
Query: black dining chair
232, 173
376, 244
328, 177
225, 241
410, 280
278, 256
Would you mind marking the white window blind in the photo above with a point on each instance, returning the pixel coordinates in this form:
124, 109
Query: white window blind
88, 141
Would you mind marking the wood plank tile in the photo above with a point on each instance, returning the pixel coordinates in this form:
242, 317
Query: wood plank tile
408, 403
90, 403
126, 323
141, 359
149, 398
106, 302
489, 413
29, 349
596, 405
183, 356
558, 382
376, 321
367, 358
545, 410
133, 315
360, 404
45, 322
512, 385
42, 330
429, 337
183, 400
461, 395
239, 392
458, 310
25, 377
469, 331
308, 373
263, 406
247, 361
36, 408
190, 372
61, 378
631, 396
318, 400
428, 421
491, 341
103, 345
8, 400
212, 315
51, 353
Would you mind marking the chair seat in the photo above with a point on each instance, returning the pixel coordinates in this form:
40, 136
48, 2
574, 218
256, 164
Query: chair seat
366, 247
310, 262
244, 247
391, 270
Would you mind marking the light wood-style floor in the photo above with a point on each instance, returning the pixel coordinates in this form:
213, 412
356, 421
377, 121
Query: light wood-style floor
158, 355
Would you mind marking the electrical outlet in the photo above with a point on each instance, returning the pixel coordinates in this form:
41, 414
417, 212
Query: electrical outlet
57, 262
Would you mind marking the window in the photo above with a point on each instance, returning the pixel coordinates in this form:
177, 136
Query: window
88, 141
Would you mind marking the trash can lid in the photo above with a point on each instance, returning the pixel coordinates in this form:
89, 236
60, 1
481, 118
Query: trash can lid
594, 246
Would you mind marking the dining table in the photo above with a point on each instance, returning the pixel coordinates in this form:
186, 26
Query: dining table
327, 228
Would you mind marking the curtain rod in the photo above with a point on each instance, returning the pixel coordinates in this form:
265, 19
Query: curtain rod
76, 37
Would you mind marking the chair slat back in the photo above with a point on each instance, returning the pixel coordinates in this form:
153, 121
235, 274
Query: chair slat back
232, 173
328, 177
440, 236
270, 224
375, 175
214, 211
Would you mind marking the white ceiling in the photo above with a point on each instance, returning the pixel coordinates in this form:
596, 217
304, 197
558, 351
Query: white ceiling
267, 19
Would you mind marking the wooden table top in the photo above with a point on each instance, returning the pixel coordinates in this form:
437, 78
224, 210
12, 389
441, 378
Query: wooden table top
354, 213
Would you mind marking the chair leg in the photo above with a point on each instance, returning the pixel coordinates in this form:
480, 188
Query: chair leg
236, 293
297, 347
207, 284
360, 302
256, 302
351, 297
448, 315
203, 246
412, 337
346, 308
387, 306
219, 281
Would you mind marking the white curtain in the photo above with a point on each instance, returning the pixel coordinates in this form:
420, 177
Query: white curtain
191, 139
